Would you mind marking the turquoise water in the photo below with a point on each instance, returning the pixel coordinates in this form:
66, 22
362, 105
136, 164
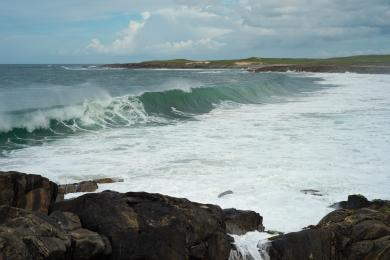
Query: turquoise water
42, 103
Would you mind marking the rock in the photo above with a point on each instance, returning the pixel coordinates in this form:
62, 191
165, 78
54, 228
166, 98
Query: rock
312, 192
26, 235
354, 202
239, 222
32, 235
89, 245
360, 231
153, 226
86, 244
228, 192
84, 186
108, 180
66, 220
26, 191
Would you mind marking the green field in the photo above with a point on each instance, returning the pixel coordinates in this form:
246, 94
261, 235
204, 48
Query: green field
352, 60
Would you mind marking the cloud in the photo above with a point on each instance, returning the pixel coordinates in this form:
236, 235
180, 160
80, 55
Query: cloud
190, 44
126, 42
194, 29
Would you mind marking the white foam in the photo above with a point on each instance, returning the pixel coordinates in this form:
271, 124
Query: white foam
336, 140
91, 112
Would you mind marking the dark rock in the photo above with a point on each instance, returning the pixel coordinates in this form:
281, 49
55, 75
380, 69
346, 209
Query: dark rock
361, 231
312, 192
356, 202
239, 222
84, 186
228, 192
31, 235
152, 226
26, 191
87, 244
306, 244
66, 220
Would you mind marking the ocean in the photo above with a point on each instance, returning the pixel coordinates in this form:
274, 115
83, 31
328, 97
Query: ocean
198, 133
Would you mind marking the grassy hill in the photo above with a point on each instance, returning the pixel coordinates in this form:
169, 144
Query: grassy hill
362, 60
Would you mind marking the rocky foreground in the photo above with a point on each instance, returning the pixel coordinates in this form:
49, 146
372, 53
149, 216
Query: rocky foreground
37, 223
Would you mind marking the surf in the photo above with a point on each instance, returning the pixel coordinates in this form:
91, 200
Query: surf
32, 126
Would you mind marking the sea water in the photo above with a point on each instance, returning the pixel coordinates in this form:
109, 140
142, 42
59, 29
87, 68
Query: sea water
198, 133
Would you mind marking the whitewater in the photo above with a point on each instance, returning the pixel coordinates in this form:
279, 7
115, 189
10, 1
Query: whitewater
196, 134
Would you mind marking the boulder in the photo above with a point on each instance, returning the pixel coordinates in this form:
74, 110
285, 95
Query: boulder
26, 191
26, 235
355, 201
86, 244
360, 231
152, 226
239, 222
33, 235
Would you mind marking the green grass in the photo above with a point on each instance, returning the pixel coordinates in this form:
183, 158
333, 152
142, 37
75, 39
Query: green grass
352, 60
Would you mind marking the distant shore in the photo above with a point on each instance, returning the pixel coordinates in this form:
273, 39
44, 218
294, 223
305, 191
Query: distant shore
377, 64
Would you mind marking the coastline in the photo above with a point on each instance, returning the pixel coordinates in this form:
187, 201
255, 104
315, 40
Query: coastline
356, 64
140, 225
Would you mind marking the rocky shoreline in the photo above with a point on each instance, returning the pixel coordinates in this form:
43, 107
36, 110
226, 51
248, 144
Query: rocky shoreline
367, 64
37, 223
362, 69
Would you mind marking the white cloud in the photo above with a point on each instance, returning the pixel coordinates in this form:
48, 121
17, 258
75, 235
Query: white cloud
190, 44
198, 29
125, 44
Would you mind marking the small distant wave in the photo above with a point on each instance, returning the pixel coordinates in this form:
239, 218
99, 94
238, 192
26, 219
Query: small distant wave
91, 67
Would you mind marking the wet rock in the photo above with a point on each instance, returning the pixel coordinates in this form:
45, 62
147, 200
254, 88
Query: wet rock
108, 180
66, 220
153, 226
354, 202
26, 235
84, 186
239, 222
360, 231
26, 191
312, 192
228, 192
87, 244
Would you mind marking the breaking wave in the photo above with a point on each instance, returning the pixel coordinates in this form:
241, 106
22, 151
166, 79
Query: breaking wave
26, 127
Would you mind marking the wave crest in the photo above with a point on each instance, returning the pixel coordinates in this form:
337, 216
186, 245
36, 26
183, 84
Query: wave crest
39, 125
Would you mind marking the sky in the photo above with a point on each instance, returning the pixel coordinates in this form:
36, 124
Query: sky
107, 31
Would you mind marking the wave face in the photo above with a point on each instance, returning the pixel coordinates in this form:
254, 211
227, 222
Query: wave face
174, 100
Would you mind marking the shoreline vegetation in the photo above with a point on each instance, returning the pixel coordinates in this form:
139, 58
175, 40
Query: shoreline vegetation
357, 64
36, 222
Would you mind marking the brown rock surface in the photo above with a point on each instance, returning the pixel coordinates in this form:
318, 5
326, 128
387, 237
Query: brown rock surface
26, 191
